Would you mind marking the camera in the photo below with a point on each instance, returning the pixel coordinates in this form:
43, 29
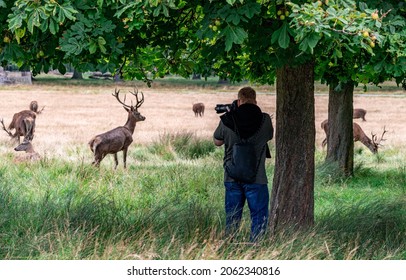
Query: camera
222, 108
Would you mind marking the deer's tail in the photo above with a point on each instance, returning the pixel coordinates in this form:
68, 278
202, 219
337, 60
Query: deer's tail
94, 143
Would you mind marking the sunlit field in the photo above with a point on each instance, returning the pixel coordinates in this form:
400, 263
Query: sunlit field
168, 203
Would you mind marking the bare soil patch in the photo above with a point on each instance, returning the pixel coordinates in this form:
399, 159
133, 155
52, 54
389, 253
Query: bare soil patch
73, 115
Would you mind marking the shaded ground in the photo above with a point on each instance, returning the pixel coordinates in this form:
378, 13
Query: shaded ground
73, 115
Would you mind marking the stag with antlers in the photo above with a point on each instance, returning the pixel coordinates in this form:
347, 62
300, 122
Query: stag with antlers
119, 138
373, 143
24, 124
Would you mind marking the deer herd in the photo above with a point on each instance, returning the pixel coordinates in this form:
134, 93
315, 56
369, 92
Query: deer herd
120, 138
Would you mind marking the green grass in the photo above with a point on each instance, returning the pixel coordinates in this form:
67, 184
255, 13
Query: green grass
168, 204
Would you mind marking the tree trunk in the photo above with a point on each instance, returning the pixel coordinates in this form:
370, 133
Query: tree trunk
292, 198
196, 76
340, 143
77, 75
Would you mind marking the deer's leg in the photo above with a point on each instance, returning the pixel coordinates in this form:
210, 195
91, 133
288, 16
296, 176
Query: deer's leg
115, 160
97, 159
125, 157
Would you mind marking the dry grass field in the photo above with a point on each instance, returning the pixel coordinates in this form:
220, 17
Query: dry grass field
73, 114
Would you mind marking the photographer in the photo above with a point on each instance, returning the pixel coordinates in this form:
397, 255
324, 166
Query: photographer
245, 122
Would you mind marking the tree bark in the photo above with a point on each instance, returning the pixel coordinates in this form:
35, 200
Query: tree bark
292, 198
340, 143
77, 75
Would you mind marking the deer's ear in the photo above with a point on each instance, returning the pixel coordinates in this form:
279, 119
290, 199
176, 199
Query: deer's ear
125, 108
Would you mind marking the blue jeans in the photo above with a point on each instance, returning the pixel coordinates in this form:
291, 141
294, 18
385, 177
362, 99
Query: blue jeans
257, 196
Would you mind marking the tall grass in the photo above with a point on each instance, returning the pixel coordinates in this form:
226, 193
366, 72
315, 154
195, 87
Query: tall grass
169, 205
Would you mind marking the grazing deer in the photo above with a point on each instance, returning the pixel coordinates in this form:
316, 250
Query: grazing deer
359, 114
359, 135
34, 107
119, 138
30, 154
198, 109
24, 124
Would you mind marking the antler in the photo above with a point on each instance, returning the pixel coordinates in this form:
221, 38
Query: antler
116, 95
375, 139
135, 93
5, 129
40, 111
139, 102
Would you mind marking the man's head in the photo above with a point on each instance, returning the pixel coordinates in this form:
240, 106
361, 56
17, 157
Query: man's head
247, 95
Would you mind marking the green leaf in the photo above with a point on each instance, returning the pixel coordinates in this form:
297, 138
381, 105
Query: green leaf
15, 22
250, 10
33, 20
234, 18
61, 14
275, 36
165, 10
53, 26
61, 68
92, 47
103, 49
313, 40
157, 11
20, 34
284, 38
44, 26
234, 35
100, 3
101, 42
68, 11
46, 66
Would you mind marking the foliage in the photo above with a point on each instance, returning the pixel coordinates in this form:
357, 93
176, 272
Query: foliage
234, 39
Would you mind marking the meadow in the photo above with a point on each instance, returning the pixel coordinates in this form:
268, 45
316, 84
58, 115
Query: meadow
168, 203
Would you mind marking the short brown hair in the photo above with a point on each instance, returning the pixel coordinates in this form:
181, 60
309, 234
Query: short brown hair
247, 95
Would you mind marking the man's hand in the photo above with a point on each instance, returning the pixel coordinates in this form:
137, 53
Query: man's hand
218, 142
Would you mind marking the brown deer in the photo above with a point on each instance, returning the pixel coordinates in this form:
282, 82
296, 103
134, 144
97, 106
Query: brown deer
198, 109
34, 107
119, 138
30, 153
359, 135
359, 114
24, 124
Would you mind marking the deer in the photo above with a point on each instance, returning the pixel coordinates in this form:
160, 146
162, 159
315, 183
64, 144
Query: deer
119, 138
30, 153
24, 124
34, 107
198, 109
372, 143
359, 114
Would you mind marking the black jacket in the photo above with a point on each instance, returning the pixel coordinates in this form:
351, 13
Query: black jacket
248, 118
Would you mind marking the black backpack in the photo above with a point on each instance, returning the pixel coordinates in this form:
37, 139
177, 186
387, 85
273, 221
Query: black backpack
244, 163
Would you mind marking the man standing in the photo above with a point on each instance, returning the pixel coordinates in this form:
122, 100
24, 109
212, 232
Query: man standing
246, 122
